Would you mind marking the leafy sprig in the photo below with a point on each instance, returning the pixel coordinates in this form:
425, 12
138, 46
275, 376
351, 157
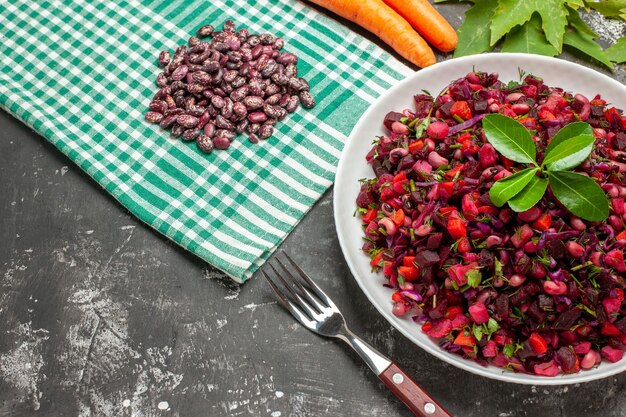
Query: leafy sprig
544, 27
580, 194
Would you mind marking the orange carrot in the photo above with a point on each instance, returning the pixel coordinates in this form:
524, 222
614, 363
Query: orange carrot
427, 21
378, 18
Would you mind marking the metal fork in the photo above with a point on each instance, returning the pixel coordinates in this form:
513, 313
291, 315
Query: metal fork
317, 312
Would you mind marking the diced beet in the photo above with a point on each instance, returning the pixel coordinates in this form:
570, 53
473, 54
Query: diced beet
471, 169
503, 306
480, 106
582, 348
423, 104
568, 360
441, 327
460, 321
611, 354
392, 116
426, 258
619, 141
490, 350
567, 319
434, 241
364, 199
445, 109
479, 313
546, 369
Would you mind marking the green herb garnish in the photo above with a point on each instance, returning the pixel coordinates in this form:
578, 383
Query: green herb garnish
569, 148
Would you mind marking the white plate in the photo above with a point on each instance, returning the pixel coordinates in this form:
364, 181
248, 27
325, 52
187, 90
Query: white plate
352, 167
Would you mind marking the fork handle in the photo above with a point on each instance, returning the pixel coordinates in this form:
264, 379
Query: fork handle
414, 397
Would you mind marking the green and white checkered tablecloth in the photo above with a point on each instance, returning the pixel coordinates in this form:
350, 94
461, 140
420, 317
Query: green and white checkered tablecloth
81, 73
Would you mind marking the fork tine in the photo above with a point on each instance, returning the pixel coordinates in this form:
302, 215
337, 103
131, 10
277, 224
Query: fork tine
321, 294
306, 292
281, 298
285, 302
303, 304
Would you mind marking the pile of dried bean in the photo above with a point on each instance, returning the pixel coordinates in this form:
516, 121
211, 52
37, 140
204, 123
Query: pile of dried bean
237, 82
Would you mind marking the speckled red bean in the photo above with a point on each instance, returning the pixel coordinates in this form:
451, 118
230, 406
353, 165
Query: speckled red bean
199, 48
205, 143
272, 89
204, 31
227, 110
253, 138
191, 134
256, 51
291, 70
196, 111
257, 117
158, 106
240, 93
164, 58
262, 62
307, 100
154, 117
168, 121
217, 102
271, 111
241, 126
265, 131
201, 77
223, 123
253, 127
179, 73
279, 43
287, 58
187, 121
174, 112
170, 101
239, 108
221, 142
273, 99
269, 69
293, 103
234, 44
195, 88
253, 102
209, 129
193, 41
177, 130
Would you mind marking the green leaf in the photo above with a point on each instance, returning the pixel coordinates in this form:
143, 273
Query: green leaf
511, 13
529, 39
569, 153
617, 52
505, 189
576, 3
510, 138
530, 195
497, 267
473, 278
609, 8
569, 131
474, 31
492, 325
580, 195
477, 331
509, 350
584, 43
576, 22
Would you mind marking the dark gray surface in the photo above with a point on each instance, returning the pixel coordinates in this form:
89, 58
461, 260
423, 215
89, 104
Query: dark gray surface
102, 316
